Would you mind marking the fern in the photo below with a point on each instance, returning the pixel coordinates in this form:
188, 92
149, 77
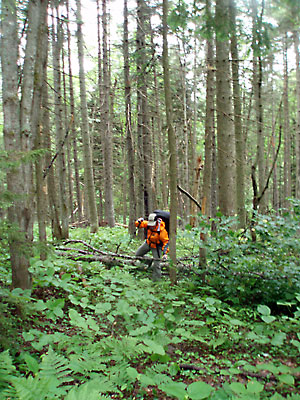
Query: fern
124, 348
91, 390
7, 371
47, 383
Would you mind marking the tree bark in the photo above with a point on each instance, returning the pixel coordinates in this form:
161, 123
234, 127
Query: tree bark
87, 151
172, 147
238, 130
108, 139
257, 90
129, 136
73, 128
36, 123
287, 184
18, 215
60, 148
226, 145
297, 142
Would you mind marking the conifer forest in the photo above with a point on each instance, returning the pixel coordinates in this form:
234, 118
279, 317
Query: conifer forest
110, 110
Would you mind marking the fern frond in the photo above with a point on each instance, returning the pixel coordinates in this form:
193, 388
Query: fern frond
55, 365
91, 390
7, 371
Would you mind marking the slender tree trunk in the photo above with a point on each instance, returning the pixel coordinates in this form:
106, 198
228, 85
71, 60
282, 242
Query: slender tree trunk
209, 118
161, 160
287, 185
18, 216
26, 107
144, 128
129, 137
40, 73
87, 151
257, 90
172, 146
297, 142
108, 140
194, 164
226, 145
73, 127
60, 147
275, 196
239, 138
99, 137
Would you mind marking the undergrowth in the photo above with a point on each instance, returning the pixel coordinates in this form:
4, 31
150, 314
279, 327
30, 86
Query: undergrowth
85, 331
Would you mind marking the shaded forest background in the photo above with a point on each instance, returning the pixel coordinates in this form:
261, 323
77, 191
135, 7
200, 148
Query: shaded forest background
192, 107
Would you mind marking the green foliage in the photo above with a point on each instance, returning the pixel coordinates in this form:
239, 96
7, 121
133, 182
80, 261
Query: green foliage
118, 334
266, 271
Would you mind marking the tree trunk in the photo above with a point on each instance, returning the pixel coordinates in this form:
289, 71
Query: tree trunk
129, 138
238, 130
73, 129
297, 142
172, 147
40, 73
18, 214
209, 117
60, 147
287, 184
87, 151
257, 90
27, 139
226, 145
108, 140
144, 128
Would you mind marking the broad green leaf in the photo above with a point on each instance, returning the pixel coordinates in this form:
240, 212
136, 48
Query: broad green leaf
268, 318
278, 339
31, 363
176, 389
287, 379
77, 319
264, 310
199, 390
154, 347
101, 308
238, 388
132, 373
254, 387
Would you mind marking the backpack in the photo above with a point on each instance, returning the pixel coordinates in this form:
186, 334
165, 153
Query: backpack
165, 216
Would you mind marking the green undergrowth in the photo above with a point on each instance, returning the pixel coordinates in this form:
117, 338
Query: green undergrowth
88, 332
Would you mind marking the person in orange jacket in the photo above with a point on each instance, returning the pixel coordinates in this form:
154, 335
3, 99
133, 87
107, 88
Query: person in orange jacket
157, 241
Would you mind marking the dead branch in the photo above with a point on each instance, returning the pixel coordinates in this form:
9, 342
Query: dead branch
189, 196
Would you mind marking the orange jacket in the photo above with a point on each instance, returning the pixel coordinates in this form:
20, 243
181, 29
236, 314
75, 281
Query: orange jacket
158, 235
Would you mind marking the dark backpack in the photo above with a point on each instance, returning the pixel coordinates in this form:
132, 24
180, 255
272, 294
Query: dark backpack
165, 216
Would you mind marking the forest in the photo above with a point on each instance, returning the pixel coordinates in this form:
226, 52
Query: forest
111, 109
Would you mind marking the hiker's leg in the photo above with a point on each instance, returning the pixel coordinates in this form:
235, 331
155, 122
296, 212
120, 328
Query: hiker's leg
142, 250
156, 271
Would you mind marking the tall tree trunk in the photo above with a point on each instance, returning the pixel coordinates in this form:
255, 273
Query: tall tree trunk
238, 130
226, 145
297, 142
26, 106
87, 151
60, 147
129, 138
108, 140
19, 216
144, 128
287, 184
73, 127
172, 146
209, 117
40, 73
257, 90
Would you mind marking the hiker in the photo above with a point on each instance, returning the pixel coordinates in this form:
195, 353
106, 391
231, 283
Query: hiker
157, 241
